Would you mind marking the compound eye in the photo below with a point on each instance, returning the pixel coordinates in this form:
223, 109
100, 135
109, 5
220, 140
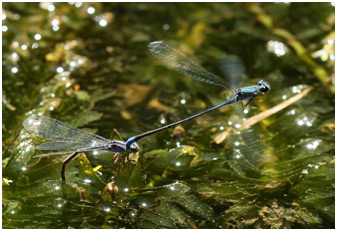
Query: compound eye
134, 147
265, 88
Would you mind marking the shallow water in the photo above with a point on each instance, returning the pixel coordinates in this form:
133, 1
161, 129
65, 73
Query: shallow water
87, 64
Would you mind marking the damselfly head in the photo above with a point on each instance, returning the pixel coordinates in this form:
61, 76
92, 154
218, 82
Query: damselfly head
263, 85
134, 147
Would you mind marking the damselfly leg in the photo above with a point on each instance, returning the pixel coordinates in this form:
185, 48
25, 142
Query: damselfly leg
65, 162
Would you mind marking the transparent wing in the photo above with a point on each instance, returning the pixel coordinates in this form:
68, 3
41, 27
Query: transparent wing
177, 61
54, 153
99, 150
61, 145
57, 131
233, 68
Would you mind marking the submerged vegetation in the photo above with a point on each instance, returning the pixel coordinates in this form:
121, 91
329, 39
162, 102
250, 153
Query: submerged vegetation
271, 165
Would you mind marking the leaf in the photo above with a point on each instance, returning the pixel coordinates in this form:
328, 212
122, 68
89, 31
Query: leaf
197, 206
85, 118
151, 220
167, 209
172, 190
82, 95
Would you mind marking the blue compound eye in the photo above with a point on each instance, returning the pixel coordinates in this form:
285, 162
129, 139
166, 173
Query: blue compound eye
134, 147
264, 86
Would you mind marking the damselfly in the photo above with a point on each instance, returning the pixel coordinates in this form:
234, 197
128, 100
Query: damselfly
179, 62
64, 137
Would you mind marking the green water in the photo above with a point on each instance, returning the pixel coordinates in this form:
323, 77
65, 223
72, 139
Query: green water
88, 65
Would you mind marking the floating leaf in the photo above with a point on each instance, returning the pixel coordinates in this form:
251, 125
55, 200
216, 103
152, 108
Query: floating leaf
172, 190
151, 220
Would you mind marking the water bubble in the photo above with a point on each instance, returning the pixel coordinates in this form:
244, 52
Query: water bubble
163, 120
59, 202
72, 64
310, 146
300, 122
296, 89
55, 22
51, 7
166, 26
56, 28
35, 45
91, 10
103, 22
37, 37
16, 44
15, 56
87, 181
59, 69
15, 70
237, 125
278, 48
4, 28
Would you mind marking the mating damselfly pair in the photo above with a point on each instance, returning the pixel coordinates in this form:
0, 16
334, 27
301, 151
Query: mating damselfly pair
74, 141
